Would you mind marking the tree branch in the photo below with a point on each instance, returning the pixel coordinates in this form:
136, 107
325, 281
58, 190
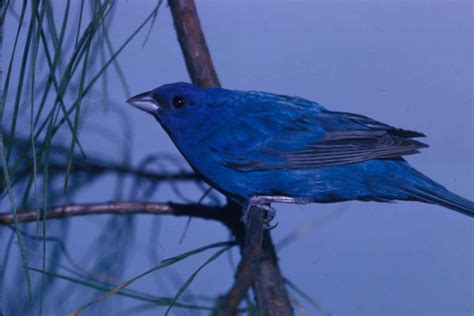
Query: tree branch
269, 286
121, 208
248, 266
193, 44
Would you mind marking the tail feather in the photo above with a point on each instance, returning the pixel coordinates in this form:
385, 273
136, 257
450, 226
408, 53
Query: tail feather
421, 188
443, 197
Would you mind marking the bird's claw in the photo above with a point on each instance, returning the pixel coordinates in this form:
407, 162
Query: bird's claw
268, 215
267, 226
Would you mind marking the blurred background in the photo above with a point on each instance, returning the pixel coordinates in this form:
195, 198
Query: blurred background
408, 64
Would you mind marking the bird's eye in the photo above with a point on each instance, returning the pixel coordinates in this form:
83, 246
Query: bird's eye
178, 101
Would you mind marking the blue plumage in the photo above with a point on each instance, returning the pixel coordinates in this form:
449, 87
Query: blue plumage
248, 144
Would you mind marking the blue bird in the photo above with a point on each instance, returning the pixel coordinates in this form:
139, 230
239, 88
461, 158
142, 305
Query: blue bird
258, 148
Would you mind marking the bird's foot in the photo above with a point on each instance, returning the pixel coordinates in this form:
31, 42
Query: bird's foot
263, 201
268, 214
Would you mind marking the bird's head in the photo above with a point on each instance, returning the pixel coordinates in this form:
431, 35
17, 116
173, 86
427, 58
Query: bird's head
173, 104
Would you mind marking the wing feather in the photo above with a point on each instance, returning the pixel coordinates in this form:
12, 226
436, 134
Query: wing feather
343, 148
345, 138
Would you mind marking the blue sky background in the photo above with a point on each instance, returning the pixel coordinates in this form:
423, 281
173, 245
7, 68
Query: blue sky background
408, 64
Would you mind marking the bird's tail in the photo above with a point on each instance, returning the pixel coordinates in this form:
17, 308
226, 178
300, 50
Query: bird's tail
429, 191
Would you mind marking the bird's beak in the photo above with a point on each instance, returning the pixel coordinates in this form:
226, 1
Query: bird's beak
145, 102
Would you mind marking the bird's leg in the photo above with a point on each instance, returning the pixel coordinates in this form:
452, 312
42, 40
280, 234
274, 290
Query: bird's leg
263, 202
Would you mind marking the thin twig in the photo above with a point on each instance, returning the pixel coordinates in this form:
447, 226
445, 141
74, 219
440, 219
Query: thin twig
117, 208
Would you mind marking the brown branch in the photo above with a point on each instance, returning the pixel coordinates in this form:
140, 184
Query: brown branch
193, 44
248, 266
271, 293
269, 286
120, 208
63, 211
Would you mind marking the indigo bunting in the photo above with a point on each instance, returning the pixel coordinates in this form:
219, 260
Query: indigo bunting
258, 148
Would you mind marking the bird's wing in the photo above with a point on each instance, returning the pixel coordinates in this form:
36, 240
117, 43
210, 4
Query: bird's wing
346, 138
343, 147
